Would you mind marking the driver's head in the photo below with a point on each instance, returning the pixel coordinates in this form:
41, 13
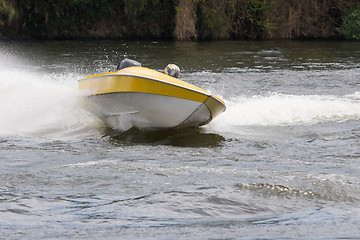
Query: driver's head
172, 70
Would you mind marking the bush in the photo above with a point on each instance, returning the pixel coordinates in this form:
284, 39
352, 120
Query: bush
7, 12
213, 22
351, 26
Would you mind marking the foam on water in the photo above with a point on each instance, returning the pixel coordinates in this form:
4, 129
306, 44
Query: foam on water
40, 104
35, 102
276, 109
274, 164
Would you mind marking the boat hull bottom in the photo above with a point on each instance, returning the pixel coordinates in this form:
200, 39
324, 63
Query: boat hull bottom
125, 110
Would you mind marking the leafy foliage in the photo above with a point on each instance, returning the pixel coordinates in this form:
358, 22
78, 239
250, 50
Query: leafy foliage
7, 11
351, 25
213, 22
180, 19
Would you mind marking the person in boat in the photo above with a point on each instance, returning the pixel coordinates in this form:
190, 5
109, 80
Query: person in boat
172, 70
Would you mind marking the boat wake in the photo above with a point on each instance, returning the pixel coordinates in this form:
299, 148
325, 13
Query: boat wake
47, 105
276, 109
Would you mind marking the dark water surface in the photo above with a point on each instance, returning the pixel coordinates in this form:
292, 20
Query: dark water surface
283, 161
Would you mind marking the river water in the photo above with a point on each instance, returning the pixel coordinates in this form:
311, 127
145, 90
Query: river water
283, 161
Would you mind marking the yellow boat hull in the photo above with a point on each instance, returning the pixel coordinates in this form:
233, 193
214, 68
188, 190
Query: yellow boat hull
147, 99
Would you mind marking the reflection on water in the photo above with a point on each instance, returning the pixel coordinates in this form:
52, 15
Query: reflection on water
184, 137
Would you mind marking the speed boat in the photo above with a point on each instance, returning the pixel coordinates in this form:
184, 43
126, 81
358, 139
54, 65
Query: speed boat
135, 96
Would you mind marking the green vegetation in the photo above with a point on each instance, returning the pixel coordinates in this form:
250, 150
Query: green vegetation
7, 12
180, 19
213, 23
66, 19
351, 26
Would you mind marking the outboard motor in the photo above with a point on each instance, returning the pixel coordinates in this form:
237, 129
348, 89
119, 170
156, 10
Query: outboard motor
127, 63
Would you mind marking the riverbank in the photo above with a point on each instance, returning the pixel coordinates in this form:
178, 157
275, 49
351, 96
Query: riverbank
181, 19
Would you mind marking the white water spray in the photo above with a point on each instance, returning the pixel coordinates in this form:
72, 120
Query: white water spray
40, 104
282, 110
48, 105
